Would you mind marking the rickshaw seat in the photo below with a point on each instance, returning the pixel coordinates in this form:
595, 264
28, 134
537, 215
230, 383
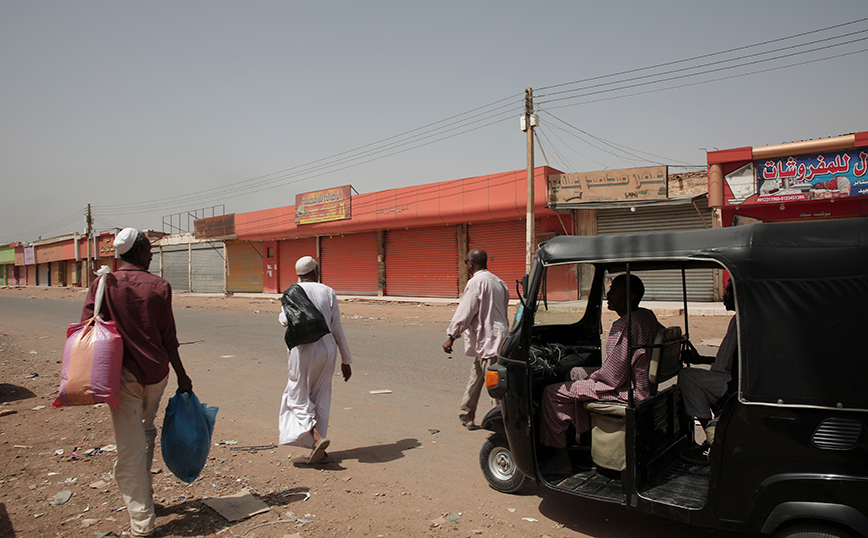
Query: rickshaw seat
608, 419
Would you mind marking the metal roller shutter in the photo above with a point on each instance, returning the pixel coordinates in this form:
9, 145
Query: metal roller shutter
422, 262
42, 274
208, 268
663, 285
289, 252
176, 263
349, 263
245, 267
154, 269
505, 244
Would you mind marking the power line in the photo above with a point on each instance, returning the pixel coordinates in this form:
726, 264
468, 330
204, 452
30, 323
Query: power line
679, 77
410, 140
60, 226
361, 155
709, 55
713, 79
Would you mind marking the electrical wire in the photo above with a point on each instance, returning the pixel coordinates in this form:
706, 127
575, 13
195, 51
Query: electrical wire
364, 154
709, 71
497, 112
434, 132
709, 55
718, 79
60, 227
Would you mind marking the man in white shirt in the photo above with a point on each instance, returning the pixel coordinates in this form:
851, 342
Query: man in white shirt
481, 318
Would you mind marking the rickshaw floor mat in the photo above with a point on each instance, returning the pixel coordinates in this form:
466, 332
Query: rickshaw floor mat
593, 484
681, 484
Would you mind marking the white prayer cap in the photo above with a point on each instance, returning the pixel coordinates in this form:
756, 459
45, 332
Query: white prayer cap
305, 265
125, 240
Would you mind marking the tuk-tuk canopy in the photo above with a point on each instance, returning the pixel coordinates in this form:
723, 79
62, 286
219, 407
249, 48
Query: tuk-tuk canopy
801, 291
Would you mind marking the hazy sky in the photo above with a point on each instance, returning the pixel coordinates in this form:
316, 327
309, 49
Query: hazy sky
147, 109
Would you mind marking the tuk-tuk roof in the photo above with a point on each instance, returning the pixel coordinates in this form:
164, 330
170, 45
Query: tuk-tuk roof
738, 248
801, 292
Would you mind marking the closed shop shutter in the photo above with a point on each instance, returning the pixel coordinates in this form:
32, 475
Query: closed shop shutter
176, 264
58, 273
349, 263
422, 262
289, 252
504, 242
663, 285
72, 272
208, 268
42, 274
154, 269
245, 267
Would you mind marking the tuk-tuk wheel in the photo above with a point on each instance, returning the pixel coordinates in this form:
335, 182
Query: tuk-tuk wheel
499, 467
812, 530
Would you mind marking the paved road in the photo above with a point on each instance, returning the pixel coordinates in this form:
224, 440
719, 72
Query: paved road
239, 364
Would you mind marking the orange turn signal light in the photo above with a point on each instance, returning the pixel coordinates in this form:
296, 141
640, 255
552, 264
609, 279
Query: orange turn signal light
491, 379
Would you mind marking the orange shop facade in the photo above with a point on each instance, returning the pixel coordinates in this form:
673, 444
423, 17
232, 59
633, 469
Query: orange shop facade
60, 261
820, 179
409, 241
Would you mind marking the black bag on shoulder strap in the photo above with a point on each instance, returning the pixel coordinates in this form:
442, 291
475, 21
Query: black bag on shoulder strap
305, 323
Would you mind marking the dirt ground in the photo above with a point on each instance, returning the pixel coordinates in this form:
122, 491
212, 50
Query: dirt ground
45, 452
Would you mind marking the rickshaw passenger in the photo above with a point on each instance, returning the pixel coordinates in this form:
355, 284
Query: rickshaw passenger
702, 388
561, 402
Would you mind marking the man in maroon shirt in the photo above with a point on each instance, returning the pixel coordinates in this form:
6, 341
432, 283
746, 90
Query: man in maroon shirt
141, 306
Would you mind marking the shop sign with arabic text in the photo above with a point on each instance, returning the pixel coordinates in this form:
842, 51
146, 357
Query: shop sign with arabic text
625, 185
322, 206
812, 177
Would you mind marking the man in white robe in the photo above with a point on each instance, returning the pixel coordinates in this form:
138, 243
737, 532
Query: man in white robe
306, 401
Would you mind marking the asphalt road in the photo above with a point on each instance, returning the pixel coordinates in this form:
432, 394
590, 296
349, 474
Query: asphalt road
237, 360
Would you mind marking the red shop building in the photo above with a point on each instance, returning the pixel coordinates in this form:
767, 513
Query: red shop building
801, 181
409, 241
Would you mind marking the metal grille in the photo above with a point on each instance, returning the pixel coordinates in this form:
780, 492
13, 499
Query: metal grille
663, 285
837, 434
208, 268
349, 263
289, 251
422, 262
244, 272
176, 264
504, 242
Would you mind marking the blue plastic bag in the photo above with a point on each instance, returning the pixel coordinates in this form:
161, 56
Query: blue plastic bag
186, 437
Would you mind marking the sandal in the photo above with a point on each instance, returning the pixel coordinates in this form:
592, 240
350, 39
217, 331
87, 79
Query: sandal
318, 451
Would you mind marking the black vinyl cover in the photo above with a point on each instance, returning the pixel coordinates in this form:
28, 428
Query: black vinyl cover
801, 291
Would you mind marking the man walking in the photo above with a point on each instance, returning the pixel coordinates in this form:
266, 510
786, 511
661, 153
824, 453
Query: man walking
482, 319
140, 304
306, 401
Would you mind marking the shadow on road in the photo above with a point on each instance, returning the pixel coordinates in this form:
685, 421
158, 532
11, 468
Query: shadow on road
367, 454
11, 393
6, 528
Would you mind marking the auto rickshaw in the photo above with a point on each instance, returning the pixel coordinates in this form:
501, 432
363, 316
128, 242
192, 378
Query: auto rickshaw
789, 455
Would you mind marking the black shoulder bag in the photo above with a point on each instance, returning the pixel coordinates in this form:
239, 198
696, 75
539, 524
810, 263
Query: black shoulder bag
305, 323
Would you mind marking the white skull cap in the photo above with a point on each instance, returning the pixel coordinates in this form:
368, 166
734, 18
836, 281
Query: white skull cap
305, 265
125, 240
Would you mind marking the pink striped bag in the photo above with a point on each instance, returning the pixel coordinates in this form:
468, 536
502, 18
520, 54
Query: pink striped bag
92, 359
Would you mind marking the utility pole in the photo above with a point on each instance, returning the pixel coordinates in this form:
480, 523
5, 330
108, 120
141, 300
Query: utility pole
89, 267
528, 124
